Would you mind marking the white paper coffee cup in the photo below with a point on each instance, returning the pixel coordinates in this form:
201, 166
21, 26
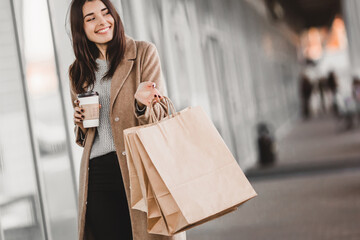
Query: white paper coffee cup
90, 103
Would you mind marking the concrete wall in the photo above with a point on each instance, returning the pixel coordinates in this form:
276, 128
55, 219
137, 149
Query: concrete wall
351, 10
225, 56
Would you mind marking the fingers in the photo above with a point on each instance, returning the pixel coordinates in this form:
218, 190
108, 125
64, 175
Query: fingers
147, 92
157, 97
150, 84
78, 120
79, 116
76, 102
156, 94
79, 110
78, 113
146, 85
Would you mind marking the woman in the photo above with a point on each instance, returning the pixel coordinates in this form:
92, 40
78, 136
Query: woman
127, 75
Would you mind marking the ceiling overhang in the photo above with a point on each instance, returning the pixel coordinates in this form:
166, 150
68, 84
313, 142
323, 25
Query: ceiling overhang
303, 14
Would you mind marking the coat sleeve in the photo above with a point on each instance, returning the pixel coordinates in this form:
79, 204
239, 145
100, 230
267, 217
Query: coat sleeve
151, 71
80, 136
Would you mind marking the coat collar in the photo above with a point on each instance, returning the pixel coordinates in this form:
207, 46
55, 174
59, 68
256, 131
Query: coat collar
130, 50
123, 70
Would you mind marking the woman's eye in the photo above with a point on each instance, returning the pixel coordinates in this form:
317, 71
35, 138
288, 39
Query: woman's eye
90, 19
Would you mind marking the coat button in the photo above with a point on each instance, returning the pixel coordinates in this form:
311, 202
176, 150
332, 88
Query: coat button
116, 119
123, 153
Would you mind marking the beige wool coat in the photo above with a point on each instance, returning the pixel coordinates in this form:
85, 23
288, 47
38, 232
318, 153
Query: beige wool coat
140, 63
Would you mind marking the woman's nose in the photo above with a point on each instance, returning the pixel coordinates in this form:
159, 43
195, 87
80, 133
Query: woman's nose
102, 20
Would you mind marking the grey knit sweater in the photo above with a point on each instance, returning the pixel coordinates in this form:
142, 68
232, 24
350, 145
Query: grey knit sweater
104, 142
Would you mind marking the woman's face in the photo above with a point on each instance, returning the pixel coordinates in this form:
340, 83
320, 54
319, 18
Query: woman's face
98, 22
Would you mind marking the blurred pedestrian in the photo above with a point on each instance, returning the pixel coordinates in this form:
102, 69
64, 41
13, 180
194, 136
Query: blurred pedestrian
306, 88
356, 95
322, 86
127, 75
332, 84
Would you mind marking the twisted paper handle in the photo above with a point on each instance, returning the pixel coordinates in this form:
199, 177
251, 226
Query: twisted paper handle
168, 105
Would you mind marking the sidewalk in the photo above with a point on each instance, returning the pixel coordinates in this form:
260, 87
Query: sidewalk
312, 193
312, 207
314, 145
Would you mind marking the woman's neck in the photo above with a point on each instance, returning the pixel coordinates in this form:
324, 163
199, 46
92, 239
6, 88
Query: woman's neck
102, 48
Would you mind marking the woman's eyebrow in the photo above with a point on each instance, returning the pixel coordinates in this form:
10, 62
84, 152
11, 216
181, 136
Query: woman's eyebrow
93, 13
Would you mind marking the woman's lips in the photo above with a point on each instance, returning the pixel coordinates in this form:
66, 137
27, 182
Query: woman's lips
103, 30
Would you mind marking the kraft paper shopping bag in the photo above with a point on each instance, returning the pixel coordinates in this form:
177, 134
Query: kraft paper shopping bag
184, 170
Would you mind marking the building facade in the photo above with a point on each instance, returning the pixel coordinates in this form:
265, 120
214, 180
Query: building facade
226, 56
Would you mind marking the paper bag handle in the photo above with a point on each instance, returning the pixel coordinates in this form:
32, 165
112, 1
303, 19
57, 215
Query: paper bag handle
168, 105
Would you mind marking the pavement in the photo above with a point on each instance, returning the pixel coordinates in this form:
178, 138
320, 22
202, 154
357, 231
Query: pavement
318, 140
312, 193
320, 144
322, 206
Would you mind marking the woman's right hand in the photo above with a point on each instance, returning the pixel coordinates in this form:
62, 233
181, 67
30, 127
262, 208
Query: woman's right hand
79, 115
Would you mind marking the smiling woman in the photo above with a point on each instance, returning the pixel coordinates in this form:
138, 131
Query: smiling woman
87, 18
126, 74
98, 25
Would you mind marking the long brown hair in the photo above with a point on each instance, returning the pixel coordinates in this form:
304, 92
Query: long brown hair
84, 67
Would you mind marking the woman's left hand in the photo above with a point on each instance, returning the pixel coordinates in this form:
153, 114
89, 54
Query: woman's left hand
146, 92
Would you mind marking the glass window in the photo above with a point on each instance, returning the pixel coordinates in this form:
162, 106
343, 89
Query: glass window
20, 211
56, 178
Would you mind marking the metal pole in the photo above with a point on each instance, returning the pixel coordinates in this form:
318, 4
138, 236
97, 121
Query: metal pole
1, 230
40, 193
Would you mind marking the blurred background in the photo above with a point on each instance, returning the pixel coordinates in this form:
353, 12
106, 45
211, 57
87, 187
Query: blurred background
280, 80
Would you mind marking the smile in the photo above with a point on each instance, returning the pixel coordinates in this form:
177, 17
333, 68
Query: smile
104, 30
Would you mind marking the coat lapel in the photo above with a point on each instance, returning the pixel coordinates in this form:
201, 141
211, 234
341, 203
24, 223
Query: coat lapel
123, 70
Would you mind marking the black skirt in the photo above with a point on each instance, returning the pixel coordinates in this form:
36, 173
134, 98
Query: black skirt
107, 213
